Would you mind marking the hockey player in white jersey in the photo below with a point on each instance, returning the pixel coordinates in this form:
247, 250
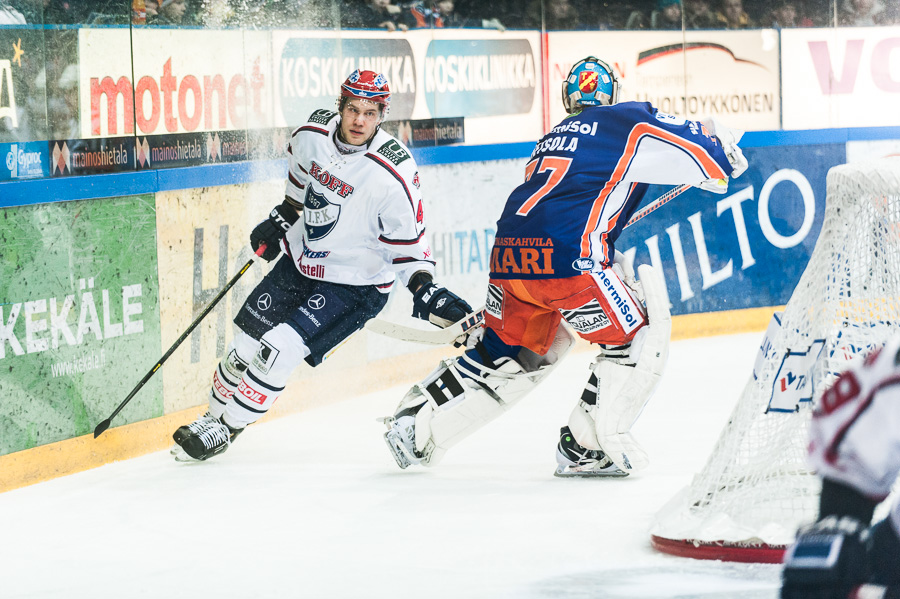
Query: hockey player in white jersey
855, 448
351, 224
554, 259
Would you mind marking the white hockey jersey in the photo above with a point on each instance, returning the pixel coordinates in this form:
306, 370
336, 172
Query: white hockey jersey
362, 221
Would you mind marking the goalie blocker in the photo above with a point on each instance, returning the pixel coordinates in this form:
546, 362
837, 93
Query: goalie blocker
462, 395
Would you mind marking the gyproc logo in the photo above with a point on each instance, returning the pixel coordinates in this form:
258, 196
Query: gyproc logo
11, 161
22, 163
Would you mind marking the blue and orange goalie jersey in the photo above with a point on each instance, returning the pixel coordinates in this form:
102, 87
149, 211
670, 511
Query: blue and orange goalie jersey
585, 179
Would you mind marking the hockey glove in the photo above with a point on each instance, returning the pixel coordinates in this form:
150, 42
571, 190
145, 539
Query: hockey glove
729, 139
439, 306
273, 229
884, 555
827, 561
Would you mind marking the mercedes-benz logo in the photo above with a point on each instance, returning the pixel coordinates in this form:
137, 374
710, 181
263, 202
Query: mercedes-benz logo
264, 302
316, 301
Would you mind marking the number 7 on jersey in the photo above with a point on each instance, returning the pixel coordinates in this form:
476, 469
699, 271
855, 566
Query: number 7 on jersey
557, 165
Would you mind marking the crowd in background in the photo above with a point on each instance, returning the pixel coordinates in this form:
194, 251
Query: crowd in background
400, 15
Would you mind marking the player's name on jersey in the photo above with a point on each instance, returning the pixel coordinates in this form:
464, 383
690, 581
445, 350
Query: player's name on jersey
524, 241
553, 143
522, 260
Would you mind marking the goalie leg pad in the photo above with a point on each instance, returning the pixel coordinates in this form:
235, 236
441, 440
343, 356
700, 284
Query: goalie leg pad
625, 378
453, 401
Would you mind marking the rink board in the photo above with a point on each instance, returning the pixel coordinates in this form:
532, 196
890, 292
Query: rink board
728, 260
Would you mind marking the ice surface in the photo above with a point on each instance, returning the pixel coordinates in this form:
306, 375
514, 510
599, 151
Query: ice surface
312, 505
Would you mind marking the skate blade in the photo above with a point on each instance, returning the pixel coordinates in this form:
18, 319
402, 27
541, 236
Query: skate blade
182, 456
566, 472
397, 450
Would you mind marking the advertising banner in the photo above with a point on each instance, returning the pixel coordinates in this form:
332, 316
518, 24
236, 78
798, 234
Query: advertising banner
26, 160
191, 149
79, 317
747, 248
91, 156
173, 81
310, 71
23, 100
428, 132
189, 81
478, 78
841, 77
489, 78
731, 75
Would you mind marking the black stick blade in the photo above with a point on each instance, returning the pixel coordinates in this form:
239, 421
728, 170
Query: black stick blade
101, 428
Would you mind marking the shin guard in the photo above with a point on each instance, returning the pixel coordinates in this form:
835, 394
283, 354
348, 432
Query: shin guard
453, 401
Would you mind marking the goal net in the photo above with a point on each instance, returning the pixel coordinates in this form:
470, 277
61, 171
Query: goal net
756, 489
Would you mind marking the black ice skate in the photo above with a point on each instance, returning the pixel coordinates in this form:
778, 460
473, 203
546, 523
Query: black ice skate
401, 438
574, 460
183, 432
208, 441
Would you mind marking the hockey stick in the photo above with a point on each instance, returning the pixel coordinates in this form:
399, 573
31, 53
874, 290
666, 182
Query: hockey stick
663, 199
430, 337
456, 330
105, 424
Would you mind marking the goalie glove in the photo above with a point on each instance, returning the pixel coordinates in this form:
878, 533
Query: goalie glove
439, 306
729, 139
273, 229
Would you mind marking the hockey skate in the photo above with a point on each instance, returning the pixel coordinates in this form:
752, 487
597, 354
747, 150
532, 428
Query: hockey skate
574, 460
401, 438
183, 432
207, 440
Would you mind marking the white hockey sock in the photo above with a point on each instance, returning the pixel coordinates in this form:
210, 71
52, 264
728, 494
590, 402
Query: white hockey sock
278, 353
229, 371
251, 401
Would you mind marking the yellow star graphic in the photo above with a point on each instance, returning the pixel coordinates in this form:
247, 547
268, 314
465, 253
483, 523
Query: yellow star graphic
17, 47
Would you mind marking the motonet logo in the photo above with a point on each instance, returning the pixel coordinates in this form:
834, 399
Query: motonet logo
175, 102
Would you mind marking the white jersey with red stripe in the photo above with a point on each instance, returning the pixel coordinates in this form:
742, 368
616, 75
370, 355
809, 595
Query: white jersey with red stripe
363, 221
584, 180
855, 430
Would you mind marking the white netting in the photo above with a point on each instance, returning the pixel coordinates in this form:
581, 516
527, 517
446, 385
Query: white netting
756, 488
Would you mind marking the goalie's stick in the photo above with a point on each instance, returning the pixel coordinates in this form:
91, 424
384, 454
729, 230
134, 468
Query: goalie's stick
663, 199
105, 424
458, 329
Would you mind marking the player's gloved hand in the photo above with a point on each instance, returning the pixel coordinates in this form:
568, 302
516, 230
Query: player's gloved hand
736, 159
272, 230
729, 139
827, 561
439, 306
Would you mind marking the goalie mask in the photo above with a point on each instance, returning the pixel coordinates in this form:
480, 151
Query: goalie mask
591, 82
368, 86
